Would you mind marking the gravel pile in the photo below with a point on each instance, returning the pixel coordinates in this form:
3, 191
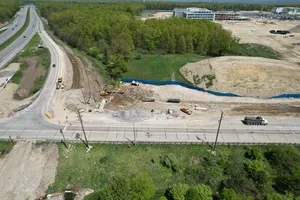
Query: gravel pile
131, 115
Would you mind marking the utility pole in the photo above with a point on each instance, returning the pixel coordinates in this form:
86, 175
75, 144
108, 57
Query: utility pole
64, 139
86, 141
220, 121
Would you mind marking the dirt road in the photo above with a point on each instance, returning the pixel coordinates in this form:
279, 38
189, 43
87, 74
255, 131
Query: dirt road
27, 170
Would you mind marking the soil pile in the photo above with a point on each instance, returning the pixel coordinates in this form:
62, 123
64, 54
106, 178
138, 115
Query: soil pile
244, 76
296, 29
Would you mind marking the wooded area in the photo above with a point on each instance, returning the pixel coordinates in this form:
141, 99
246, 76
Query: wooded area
8, 9
111, 32
182, 172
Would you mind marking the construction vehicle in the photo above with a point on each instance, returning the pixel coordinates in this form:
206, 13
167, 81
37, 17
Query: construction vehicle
255, 121
186, 110
109, 91
57, 85
59, 79
135, 83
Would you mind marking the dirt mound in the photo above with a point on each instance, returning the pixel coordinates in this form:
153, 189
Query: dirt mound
130, 97
27, 170
245, 76
296, 29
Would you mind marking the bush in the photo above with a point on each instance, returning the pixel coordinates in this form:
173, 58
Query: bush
170, 161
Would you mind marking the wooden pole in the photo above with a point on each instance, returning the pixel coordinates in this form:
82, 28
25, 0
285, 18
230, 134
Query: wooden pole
220, 121
86, 141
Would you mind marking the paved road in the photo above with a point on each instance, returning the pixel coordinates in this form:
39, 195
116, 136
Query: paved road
14, 26
33, 124
7, 54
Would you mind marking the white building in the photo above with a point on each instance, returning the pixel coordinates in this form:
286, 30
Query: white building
194, 13
286, 10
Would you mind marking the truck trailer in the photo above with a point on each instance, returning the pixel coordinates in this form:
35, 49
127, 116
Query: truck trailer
255, 121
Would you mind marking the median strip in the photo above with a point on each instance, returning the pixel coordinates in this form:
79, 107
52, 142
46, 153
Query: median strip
15, 36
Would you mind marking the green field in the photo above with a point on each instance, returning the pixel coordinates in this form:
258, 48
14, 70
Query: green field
253, 50
18, 34
160, 67
31, 50
5, 148
249, 170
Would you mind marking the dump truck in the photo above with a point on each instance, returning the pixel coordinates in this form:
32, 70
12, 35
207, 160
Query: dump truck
255, 121
186, 110
59, 79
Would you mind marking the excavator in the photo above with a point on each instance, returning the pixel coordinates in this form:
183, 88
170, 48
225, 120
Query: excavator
109, 91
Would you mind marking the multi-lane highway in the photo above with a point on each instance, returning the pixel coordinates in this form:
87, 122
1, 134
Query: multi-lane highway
15, 26
31, 123
8, 53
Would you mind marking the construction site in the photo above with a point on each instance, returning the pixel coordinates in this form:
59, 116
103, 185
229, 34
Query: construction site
80, 87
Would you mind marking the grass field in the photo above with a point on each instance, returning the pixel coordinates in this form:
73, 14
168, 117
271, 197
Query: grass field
160, 67
93, 169
43, 55
18, 34
253, 50
5, 148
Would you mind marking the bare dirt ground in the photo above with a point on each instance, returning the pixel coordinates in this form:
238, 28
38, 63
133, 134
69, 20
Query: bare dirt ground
27, 170
28, 80
257, 31
246, 76
159, 15
7, 101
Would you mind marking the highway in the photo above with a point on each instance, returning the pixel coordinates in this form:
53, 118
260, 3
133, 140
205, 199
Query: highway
7, 54
15, 26
31, 123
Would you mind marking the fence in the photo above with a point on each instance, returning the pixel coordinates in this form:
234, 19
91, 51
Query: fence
152, 82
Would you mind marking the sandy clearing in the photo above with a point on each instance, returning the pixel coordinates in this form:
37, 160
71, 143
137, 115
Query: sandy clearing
256, 31
159, 15
27, 170
246, 76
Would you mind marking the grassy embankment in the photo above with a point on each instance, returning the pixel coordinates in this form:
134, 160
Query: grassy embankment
2, 31
160, 67
5, 148
18, 34
32, 50
194, 164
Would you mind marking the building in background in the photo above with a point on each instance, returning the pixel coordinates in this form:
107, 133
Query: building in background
286, 10
194, 13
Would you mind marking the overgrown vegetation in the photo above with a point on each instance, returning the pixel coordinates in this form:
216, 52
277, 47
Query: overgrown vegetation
43, 56
1, 31
8, 9
180, 172
5, 148
18, 34
253, 50
160, 67
207, 79
112, 34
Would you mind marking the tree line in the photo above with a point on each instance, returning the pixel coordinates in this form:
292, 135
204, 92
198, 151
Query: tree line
112, 33
8, 9
238, 173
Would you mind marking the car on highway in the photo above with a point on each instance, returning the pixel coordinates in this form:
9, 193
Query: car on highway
24, 36
255, 121
53, 65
